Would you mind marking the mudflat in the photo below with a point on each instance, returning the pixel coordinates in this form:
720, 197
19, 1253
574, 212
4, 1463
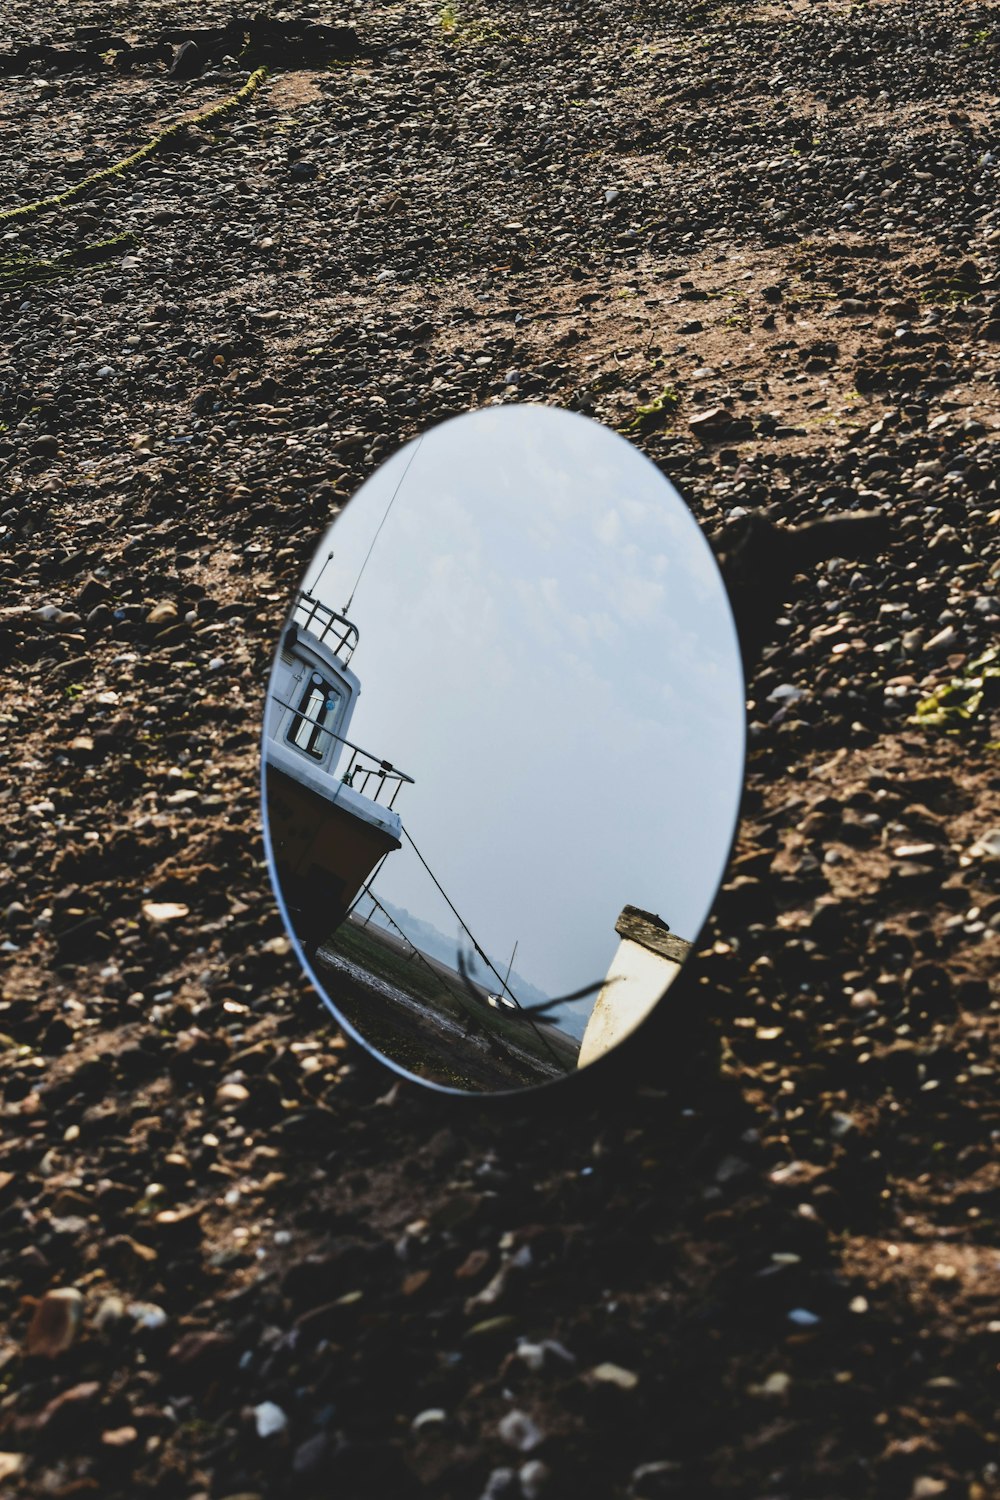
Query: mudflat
760, 240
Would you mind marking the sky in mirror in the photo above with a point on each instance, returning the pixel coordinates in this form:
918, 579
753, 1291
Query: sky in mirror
547, 648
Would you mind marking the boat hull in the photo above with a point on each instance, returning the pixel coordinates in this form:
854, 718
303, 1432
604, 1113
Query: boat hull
323, 853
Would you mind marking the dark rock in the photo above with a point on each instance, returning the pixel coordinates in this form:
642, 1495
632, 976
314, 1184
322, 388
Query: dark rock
188, 61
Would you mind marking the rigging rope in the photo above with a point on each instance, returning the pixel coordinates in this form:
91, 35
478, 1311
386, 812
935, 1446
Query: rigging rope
388, 508
439, 978
504, 987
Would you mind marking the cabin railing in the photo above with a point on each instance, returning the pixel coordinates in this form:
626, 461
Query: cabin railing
327, 625
363, 768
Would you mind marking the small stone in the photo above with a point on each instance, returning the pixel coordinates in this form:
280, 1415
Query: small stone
537, 1356
269, 1419
716, 418
502, 1485
55, 1322
533, 1355
69, 1410
803, 1318
610, 1374
119, 1437
162, 614
434, 1416
232, 1093
775, 1385
310, 1456
161, 912
534, 1477
202, 1357
943, 641
110, 1315
188, 61
925, 1487
473, 1265
518, 1431
147, 1316
988, 846
654, 1479
787, 692
11, 1465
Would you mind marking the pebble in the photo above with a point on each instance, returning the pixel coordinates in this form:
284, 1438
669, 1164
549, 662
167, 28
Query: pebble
55, 1322
518, 1431
611, 1374
434, 1416
943, 641
119, 1438
502, 1484
232, 1094
147, 1316
987, 847
534, 1478
777, 1384
269, 1419
536, 1356
160, 913
746, 191
110, 1315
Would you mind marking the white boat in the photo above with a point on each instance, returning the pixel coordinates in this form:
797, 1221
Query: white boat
329, 804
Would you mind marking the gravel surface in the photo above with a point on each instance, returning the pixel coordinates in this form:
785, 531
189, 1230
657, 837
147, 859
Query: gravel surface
237, 1261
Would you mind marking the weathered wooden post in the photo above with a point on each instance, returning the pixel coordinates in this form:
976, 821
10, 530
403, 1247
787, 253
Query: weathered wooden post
648, 959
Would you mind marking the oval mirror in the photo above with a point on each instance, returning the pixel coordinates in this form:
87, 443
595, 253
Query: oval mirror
503, 750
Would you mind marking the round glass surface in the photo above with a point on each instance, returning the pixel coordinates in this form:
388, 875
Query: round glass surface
503, 750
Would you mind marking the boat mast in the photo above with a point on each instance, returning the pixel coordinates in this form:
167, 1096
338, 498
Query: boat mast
510, 965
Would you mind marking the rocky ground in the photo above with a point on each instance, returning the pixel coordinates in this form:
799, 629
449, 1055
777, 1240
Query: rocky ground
761, 239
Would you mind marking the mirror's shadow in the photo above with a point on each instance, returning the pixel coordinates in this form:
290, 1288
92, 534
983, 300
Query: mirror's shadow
494, 861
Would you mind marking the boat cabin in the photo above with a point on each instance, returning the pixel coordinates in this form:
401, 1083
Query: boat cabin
314, 692
330, 812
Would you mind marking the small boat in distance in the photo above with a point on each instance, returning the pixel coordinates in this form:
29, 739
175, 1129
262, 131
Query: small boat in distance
329, 804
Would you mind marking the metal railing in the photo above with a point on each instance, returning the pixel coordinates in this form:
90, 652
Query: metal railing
385, 774
326, 624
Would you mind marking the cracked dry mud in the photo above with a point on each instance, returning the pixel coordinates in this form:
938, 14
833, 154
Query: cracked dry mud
762, 240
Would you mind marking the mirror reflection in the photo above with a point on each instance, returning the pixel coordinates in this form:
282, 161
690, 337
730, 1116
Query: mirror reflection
494, 859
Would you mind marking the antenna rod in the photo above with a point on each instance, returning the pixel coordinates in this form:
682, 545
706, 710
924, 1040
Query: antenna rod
329, 558
510, 965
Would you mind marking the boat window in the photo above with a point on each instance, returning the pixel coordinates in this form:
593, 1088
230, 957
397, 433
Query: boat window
316, 711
